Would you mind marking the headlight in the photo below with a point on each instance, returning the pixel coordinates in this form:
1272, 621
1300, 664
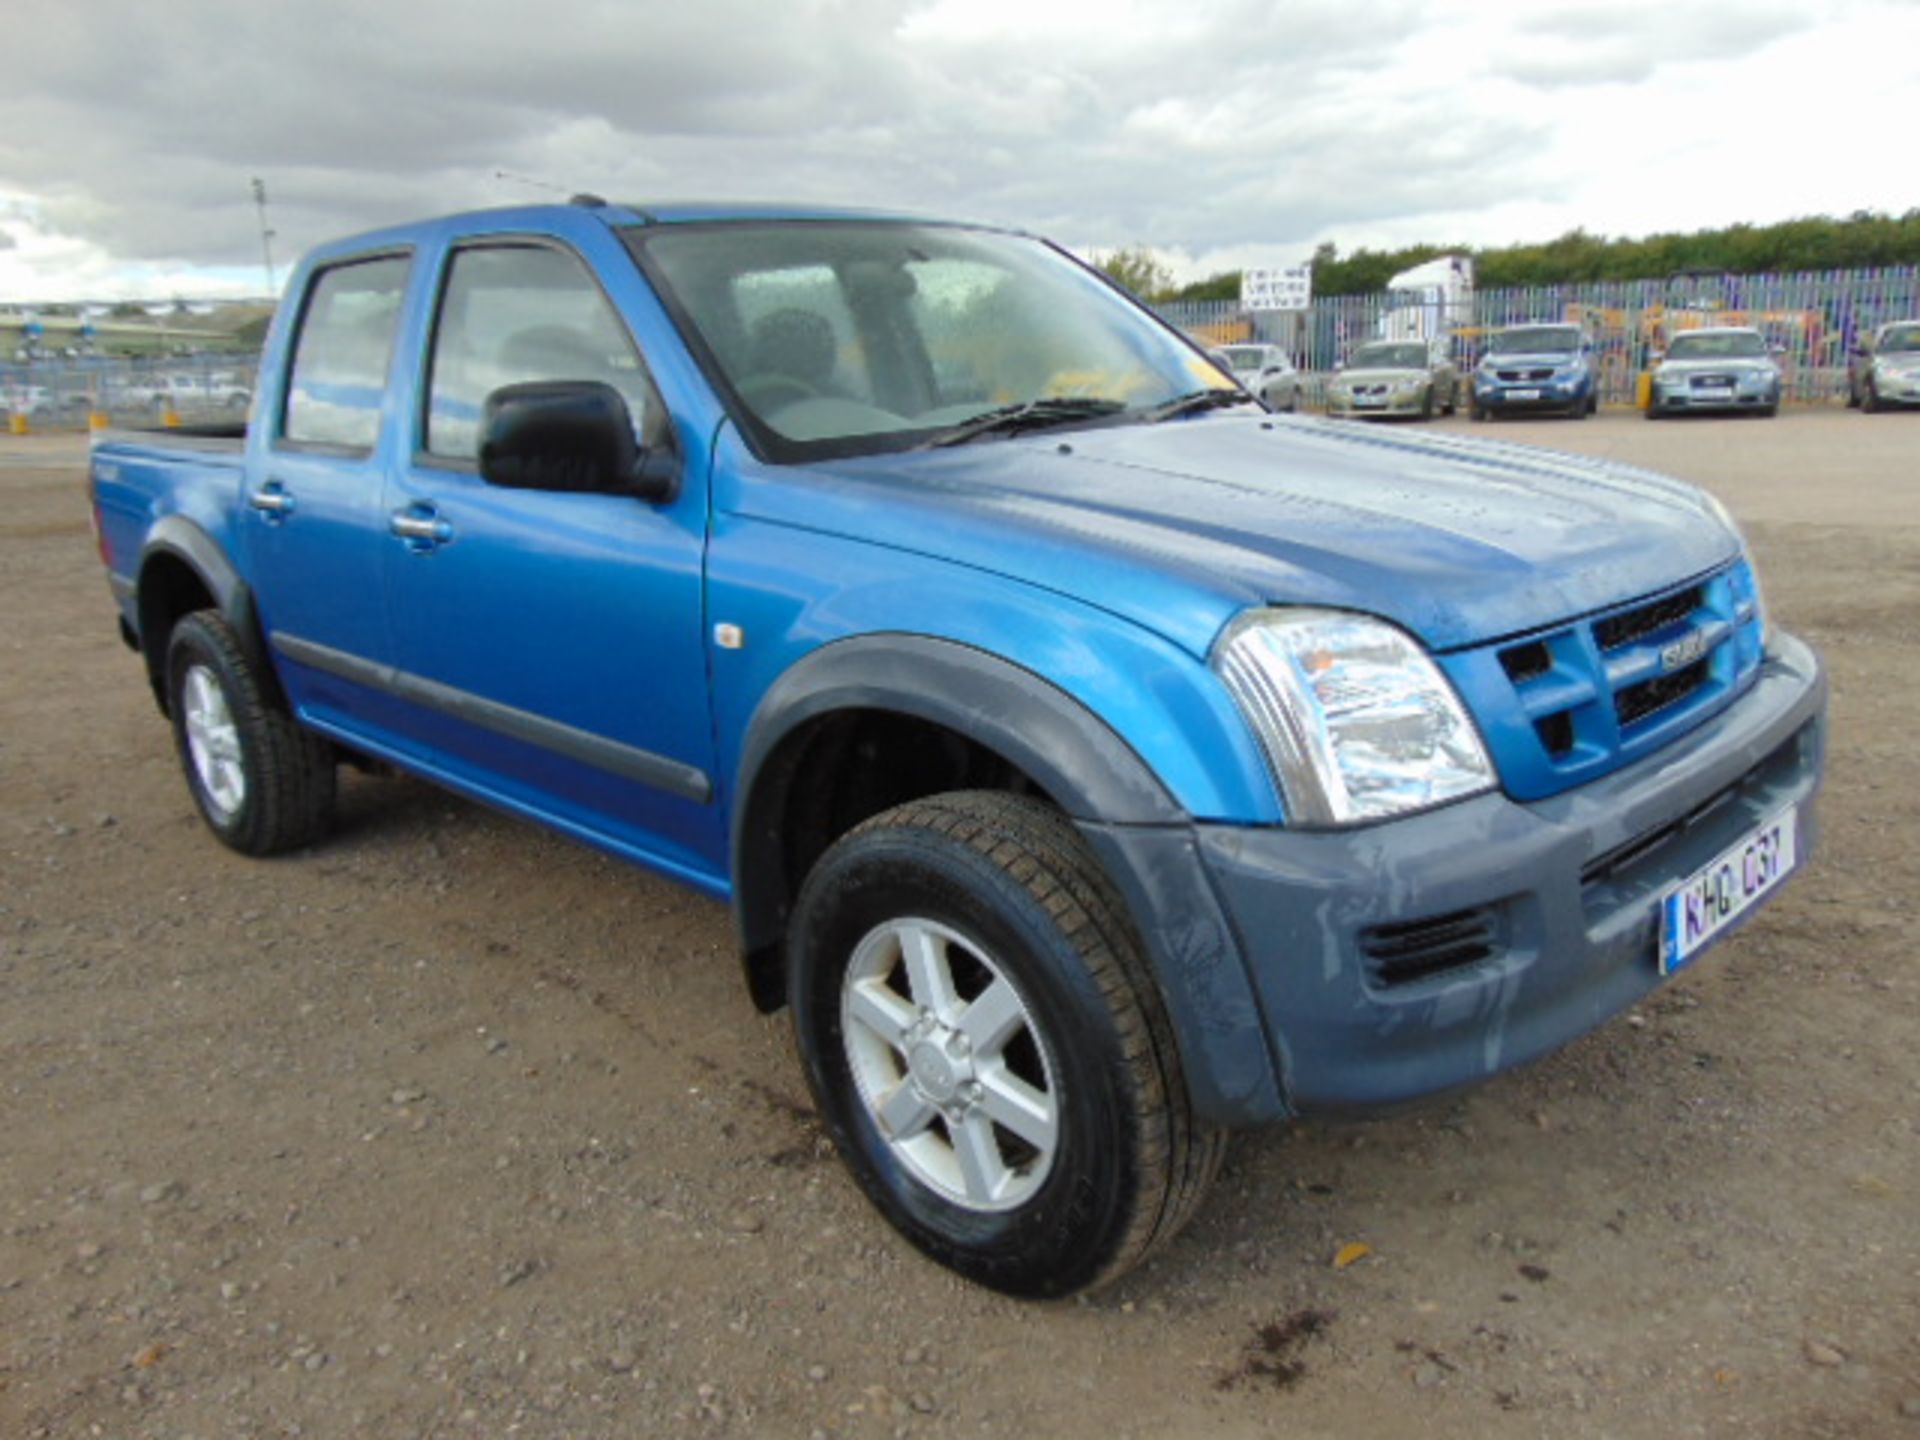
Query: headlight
1725, 517
1356, 721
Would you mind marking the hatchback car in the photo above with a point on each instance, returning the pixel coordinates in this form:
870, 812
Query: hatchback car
1265, 370
1885, 370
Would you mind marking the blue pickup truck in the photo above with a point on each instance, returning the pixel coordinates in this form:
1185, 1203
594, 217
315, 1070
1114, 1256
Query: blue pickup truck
1094, 763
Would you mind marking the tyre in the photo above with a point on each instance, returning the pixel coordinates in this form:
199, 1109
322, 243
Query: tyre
263, 783
1426, 404
1853, 396
1653, 410
1476, 410
986, 1045
1453, 400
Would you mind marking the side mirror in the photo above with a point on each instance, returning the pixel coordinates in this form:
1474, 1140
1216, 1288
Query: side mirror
1338, 366
1776, 351
570, 435
1271, 370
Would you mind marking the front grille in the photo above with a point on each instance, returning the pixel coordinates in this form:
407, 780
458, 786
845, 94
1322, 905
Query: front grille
1650, 697
1700, 382
1598, 693
1412, 950
1628, 626
1512, 375
1523, 662
1370, 389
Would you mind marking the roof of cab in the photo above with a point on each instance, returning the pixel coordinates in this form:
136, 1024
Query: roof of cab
588, 209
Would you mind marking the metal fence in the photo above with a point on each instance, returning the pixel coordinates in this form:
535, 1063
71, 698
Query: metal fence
1815, 318
66, 393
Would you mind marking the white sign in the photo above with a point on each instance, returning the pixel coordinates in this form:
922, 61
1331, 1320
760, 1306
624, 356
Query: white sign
1287, 287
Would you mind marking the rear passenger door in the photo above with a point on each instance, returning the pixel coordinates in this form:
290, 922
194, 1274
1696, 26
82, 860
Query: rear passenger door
549, 645
313, 524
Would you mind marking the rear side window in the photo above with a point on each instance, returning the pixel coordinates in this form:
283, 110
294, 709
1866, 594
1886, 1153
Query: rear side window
340, 359
512, 314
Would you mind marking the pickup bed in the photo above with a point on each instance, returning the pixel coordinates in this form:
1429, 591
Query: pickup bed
1093, 762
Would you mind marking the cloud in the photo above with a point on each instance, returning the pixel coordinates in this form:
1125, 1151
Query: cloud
132, 131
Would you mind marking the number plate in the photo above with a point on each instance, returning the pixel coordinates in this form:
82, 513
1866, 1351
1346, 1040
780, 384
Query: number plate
1369, 402
1523, 394
1700, 908
1713, 392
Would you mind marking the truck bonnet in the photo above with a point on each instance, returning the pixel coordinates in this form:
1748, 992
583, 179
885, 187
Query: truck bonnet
1178, 526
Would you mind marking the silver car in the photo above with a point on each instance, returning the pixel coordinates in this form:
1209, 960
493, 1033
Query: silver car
1394, 377
1886, 370
1264, 370
1728, 367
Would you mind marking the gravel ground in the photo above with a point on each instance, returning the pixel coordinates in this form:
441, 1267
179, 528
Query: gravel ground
451, 1128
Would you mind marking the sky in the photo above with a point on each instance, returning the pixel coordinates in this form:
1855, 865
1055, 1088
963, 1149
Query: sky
1218, 134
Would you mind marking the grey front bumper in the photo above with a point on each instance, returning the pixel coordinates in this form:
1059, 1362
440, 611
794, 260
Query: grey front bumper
1570, 887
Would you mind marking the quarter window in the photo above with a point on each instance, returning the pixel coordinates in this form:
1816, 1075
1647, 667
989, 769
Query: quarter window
340, 363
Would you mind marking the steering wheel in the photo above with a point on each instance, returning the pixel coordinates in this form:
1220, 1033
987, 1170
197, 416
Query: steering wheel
773, 389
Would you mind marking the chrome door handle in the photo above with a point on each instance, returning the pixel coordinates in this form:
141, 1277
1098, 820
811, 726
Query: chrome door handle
271, 499
428, 529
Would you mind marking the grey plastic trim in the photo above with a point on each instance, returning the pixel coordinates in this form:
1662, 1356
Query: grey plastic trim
1070, 752
627, 761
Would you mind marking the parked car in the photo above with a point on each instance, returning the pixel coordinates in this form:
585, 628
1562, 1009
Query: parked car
1394, 377
1092, 768
1533, 368
1727, 367
186, 391
26, 400
1885, 369
1265, 370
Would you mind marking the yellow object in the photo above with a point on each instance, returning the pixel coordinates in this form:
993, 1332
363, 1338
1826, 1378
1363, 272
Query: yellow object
99, 420
17, 424
170, 417
1643, 390
1351, 1251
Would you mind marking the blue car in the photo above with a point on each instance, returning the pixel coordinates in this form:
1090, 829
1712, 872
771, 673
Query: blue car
1532, 368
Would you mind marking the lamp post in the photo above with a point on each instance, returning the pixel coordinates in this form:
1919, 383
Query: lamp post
266, 232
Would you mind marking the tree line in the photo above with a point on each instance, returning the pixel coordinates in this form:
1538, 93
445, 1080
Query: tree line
1861, 241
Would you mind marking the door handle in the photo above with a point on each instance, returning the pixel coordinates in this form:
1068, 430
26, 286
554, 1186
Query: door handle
272, 500
421, 529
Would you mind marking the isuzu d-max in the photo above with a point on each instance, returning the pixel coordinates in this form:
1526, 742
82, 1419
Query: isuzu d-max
1094, 763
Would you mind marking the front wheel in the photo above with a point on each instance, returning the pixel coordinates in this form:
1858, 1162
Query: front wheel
262, 782
987, 1047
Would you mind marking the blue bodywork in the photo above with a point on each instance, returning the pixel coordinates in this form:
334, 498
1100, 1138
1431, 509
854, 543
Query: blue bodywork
1564, 380
1055, 599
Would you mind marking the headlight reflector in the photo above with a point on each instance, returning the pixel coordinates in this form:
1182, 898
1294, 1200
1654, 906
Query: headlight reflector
1356, 721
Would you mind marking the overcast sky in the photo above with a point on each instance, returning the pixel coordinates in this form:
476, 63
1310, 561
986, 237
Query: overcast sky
1218, 132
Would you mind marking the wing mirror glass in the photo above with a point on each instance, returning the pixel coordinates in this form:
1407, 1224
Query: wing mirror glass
571, 435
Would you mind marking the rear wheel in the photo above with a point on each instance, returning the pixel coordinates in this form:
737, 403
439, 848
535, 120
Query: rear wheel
262, 782
987, 1047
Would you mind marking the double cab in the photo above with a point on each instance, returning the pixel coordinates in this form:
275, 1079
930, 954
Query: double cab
1094, 762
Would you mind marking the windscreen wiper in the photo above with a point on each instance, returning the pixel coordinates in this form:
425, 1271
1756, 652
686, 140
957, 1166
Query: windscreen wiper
1194, 400
1028, 415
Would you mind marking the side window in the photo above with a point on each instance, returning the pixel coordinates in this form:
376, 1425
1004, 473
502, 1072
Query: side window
340, 359
516, 313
